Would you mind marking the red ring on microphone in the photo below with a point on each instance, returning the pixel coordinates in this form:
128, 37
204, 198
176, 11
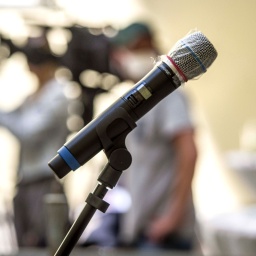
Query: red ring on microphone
178, 69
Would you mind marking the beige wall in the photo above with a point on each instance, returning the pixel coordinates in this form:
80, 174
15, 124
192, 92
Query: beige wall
225, 96
226, 93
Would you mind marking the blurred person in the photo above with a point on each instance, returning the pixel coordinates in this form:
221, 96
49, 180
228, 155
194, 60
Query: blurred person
39, 124
164, 155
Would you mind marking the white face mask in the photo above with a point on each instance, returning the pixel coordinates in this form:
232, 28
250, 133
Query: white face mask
137, 64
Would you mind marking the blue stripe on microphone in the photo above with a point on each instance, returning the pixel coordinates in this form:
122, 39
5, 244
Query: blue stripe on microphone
69, 158
194, 55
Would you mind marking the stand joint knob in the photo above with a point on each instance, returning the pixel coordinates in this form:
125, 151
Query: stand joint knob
97, 202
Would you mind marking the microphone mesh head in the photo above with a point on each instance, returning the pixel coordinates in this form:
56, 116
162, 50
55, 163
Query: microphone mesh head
193, 54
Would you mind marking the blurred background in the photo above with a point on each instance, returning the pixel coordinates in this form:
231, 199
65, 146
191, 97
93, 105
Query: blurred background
223, 99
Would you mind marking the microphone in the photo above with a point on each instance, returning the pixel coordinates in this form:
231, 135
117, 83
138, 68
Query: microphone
190, 57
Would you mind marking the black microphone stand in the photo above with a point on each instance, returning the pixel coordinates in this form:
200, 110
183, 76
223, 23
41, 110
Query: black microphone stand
119, 159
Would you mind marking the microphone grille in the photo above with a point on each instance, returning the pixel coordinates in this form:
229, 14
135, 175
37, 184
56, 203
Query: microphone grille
193, 54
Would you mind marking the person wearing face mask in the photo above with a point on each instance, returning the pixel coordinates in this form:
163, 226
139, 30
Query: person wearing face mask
164, 154
132, 49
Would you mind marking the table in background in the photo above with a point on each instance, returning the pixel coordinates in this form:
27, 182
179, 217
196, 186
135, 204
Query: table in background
103, 252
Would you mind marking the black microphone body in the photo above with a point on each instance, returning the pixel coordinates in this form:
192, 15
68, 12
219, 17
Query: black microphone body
148, 92
190, 57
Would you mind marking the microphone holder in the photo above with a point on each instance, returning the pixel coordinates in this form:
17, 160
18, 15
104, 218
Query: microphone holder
119, 159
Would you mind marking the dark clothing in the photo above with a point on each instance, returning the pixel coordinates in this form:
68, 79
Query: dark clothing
30, 221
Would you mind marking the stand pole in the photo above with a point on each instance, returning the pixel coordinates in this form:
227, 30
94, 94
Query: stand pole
119, 160
76, 231
81, 223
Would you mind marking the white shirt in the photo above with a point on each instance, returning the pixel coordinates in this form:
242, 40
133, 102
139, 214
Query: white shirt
40, 126
151, 177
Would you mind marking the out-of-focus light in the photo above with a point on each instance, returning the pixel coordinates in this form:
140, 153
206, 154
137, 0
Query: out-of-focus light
90, 78
73, 90
11, 95
4, 52
102, 12
63, 74
12, 25
19, 3
109, 31
75, 123
58, 39
108, 81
